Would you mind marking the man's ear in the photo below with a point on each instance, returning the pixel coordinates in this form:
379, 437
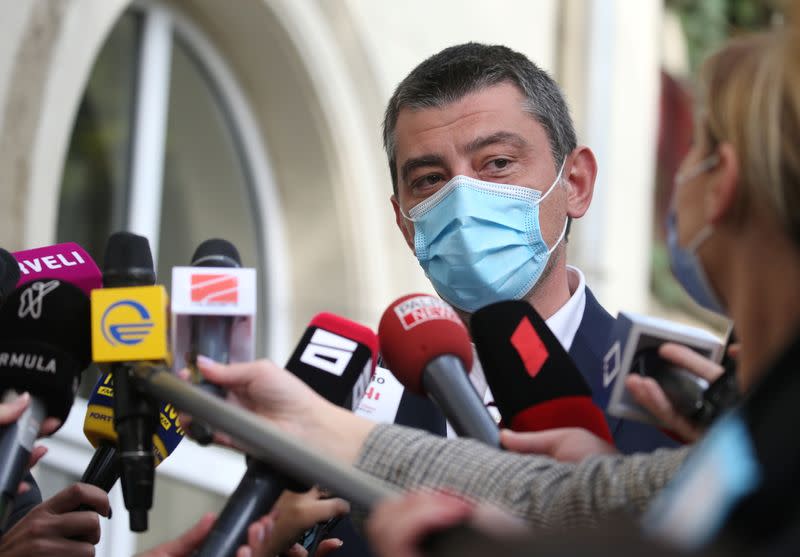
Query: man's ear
406, 227
579, 175
721, 196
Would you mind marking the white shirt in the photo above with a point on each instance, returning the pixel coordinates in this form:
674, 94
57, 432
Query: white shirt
382, 399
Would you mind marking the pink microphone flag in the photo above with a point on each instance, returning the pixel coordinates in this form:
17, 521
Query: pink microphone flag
68, 262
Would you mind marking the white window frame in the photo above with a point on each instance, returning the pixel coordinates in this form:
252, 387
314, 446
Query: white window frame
69, 451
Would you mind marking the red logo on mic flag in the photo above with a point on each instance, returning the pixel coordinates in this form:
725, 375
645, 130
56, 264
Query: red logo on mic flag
215, 289
530, 347
420, 309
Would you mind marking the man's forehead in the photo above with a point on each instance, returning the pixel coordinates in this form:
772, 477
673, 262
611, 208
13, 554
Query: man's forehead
503, 98
498, 112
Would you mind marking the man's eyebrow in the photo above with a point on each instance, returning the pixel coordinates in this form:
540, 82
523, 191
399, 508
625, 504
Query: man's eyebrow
510, 138
417, 162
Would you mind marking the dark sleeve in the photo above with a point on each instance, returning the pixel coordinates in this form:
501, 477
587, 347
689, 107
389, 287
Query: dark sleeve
25, 502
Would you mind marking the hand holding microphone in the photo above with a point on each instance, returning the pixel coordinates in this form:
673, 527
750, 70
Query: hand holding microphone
647, 392
12, 411
54, 527
44, 347
336, 358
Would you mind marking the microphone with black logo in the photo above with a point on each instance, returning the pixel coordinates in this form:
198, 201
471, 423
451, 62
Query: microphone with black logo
9, 275
426, 346
103, 470
44, 347
336, 358
634, 349
535, 383
213, 313
129, 325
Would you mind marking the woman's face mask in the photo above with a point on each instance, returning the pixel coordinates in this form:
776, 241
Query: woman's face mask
481, 242
686, 265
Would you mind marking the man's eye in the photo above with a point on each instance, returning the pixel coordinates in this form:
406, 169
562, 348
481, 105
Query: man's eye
427, 181
500, 163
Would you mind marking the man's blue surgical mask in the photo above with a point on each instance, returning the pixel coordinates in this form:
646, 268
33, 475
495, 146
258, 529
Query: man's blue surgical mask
685, 263
481, 242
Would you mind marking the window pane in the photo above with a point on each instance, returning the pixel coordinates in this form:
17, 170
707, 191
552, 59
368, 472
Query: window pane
95, 182
206, 187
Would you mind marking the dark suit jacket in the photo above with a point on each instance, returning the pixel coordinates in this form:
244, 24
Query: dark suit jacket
587, 351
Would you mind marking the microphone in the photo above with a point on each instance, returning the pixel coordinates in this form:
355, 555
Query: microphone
9, 275
634, 349
44, 347
214, 289
129, 325
68, 262
98, 426
336, 358
426, 346
535, 383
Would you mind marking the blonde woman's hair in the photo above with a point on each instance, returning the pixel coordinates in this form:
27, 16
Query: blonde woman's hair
751, 99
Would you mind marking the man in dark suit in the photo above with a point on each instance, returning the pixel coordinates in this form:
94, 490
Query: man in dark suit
487, 176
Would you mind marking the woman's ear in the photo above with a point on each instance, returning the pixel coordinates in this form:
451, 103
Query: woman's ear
721, 196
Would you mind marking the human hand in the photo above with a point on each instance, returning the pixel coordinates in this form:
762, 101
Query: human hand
288, 403
647, 392
397, 526
297, 512
566, 444
54, 527
185, 544
263, 388
259, 542
10, 412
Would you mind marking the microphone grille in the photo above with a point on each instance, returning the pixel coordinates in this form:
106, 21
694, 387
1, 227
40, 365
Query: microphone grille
216, 252
49, 312
128, 261
9, 273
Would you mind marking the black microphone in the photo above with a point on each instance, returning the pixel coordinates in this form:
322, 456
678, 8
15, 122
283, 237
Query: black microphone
427, 347
9, 274
103, 469
45, 344
210, 335
336, 358
129, 262
535, 383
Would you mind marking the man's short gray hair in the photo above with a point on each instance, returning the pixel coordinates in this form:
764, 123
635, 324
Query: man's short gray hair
459, 70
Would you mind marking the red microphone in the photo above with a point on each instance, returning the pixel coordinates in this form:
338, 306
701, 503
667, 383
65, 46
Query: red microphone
535, 383
426, 346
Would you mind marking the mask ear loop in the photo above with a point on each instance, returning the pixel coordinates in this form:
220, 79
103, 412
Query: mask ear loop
561, 237
555, 182
566, 221
405, 216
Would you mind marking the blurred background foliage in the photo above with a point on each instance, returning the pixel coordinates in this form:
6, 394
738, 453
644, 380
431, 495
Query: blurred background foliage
707, 23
